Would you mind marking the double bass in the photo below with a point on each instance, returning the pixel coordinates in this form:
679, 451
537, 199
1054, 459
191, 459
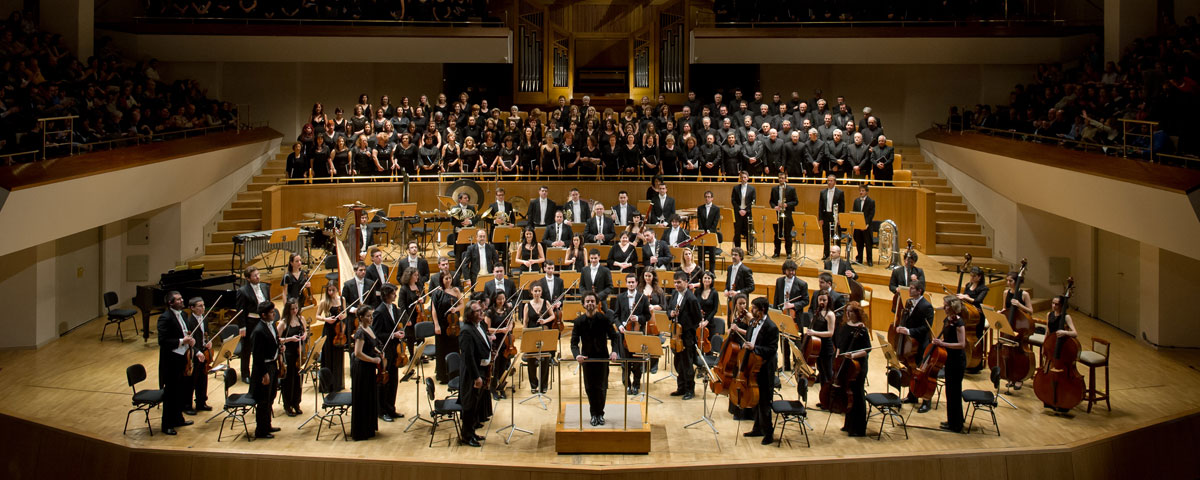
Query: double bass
837, 392
1058, 382
744, 390
907, 348
971, 318
1011, 358
727, 363
925, 378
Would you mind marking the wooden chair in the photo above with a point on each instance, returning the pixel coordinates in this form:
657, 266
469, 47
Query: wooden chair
1095, 358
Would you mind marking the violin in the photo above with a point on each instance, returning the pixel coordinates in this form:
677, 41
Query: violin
744, 390
1011, 357
453, 328
381, 375
339, 330
1058, 382
632, 324
190, 355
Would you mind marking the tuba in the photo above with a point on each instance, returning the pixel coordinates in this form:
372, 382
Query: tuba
889, 247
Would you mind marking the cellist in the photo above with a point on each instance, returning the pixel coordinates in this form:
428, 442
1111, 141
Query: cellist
764, 342
954, 340
1011, 301
974, 293
855, 345
916, 325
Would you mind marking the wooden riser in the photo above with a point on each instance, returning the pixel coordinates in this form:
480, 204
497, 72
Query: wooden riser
255, 204
933, 181
945, 216
226, 236
937, 188
959, 250
213, 263
250, 224
258, 187
951, 207
242, 214
961, 239
223, 248
949, 198
601, 439
255, 195
958, 227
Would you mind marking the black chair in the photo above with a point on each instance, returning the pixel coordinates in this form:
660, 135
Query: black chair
712, 357
887, 406
791, 411
143, 400
333, 404
424, 330
237, 406
454, 365
441, 410
977, 399
117, 316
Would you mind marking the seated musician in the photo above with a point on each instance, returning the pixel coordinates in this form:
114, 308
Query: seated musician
592, 330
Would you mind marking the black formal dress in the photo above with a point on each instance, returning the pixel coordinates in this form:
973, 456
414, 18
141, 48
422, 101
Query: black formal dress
956, 366
444, 343
857, 338
332, 355
294, 284
364, 411
591, 338
629, 255
290, 383
539, 368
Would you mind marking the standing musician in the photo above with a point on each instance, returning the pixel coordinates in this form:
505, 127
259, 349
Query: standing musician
623, 211
827, 201
676, 233
475, 348
854, 345
445, 302
364, 397
905, 275
708, 220
742, 199
655, 253
764, 342
917, 326
250, 295
364, 235
501, 206
599, 228
784, 201
356, 290
592, 329
499, 326
384, 326
790, 292
541, 209
974, 292
578, 208
537, 314
739, 279
684, 309
662, 207
552, 285
331, 311
264, 377
824, 322
443, 263
596, 278
293, 332
377, 275
838, 265
408, 293
295, 280
412, 260
480, 257
464, 205
863, 239
882, 157
200, 373
499, 284
1011, 301
825, 284
739, 325
173, 342
955, 342
632, 306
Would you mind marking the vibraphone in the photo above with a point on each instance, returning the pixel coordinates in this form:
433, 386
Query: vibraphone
247, 247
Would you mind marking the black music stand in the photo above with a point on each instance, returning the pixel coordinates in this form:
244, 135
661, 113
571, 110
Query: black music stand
539, 344
512, 405
706, 412
644, 348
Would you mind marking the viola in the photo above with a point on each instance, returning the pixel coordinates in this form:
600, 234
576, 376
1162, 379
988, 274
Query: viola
1012, 358
1058, 382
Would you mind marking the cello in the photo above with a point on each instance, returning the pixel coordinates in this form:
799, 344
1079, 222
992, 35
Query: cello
744, 390
924, 379
906, 347
1058, 382
837, 393
1011, 358
727, 365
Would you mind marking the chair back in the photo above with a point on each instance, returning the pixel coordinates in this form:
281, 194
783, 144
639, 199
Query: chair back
324, 379
453, 363
1101, 346
110, 299
716, 344
135, 373
429, 389
231, 378
228, 331
423, 330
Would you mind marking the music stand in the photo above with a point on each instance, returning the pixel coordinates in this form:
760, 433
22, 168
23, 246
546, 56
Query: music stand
663, 322
848, 221
400, 213
704, 241
705, 412
556, 255
512, 404
415, 365
537, 344
764, 218
505, 236
281, 236
445, 202
644, 347
788, 328
803, 221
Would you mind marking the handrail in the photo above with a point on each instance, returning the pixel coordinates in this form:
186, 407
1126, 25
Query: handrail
240, 122
9, 158
1123, 148
881, 23
320, 21
496, 177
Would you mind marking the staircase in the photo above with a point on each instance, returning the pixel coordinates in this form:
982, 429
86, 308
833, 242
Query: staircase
243, 215
957, 230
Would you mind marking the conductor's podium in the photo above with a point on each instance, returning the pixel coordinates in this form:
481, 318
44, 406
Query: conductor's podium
625, 429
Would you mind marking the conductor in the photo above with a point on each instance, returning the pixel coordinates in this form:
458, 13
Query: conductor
592, 329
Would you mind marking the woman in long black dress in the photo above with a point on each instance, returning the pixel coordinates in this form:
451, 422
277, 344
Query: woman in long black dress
410, 290
445, 309
452, 158
295, 280
298, 165
471, 159
710, 302
363, 158
853, 345
364, 392
548, 159
671, 157
953, 339
623, 256
576, 256
974, 293
500, 324
329, 311
610, 157
488, 151
590, 159
530, 254
318, 155
506, 163
649, 161
629, 157
528, 153
537, 315
337, 161
568, 154
292, 334
428, 156
823, 322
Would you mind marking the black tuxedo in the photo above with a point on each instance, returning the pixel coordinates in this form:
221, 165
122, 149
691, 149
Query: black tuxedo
842, 267
584, 211
264, 344
680, 236
602, 286
170, 368
508, 209
900, 278
823, 213
421, 265
709, 220
766, 346
919, 321
247, 302
534, 215
688, 316
798, 294
590, 337
510, 289
386, 318
474, 268
661, 211
743, 282
376, 282
661, 249
605, 227
787, 199
546, 292
473, 349
350, 292
624, 213
863, 238
740, 223
555, 231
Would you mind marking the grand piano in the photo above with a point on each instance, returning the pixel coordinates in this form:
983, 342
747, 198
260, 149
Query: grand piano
190, 283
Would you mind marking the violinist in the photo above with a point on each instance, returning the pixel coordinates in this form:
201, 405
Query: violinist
688, 265
790, 293
296, 278
974, 293
739, 279
386, 316
592, 330
632, 313
917, 326
500, 326
499, 284
684, 309
537, 315
445, 306
475, 347
292, 334
1011, 301
364, 399
823, 324
764, 342
710, 301
199, 382
173, 342
264, 376
330, 310
412, 260
739, 331
854, 345
954, 340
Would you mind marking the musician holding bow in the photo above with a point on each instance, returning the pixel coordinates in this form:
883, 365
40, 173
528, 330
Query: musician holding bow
917, 325
474, 346
684, 309
763, 342
173, 342
632, 313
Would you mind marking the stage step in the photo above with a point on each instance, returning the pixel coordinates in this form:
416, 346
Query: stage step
933, 182
951, 207
222, 248
226, 236
280, 171
266, 178
247, 224
253, 213
949, 198
245, 195
959, 250
961, 238
937, 188
947, 216
255, 204
958, 227
258, 187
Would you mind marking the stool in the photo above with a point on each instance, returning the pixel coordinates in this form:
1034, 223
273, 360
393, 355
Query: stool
887, 405
1095, 358
981, 399
791, 411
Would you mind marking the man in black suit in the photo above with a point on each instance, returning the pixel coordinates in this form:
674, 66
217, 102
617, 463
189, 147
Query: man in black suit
906, 274
264, 376
738, 279
596, 278
917, 326
623, 211
764, 342
790, 292
388, 329
599, 228
499, 283
452, 240
882, 157
655, 253
708, 219
412, 260
837, 265
199, 384
557, 234
631, 305
863, 236
580, 213
541, 209
829, 199
443, 264
480, 257
684, 308
501, 206
593, 329
742, 199
676, 234
173, 342
784, 201
377, 276
475, 348
357, 288
552, 285
662, 207
362, 236
816, 160
249, 297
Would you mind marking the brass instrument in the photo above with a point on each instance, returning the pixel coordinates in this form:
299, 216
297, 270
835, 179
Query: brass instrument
520, 206
500, 218
889, 247
460, 213
568, 215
